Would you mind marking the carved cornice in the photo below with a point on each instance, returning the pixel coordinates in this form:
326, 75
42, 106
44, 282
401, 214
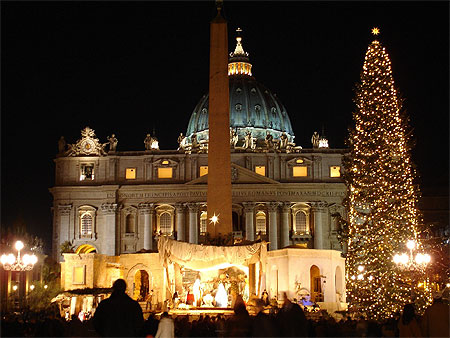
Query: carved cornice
193, 207
249, 206
273, 206
286, 206
180, 207
146, 208
318, 205
64, 209
109, 208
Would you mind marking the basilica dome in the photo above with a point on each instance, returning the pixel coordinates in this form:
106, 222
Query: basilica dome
253, 107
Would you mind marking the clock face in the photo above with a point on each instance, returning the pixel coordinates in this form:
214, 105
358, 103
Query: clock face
87, 146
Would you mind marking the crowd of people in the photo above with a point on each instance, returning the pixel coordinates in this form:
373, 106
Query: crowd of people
121, 316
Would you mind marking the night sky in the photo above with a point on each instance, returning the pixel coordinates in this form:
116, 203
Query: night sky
131, 68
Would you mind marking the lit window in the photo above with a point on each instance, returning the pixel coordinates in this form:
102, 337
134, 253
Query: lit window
165, 223
300, 171
165, 173
203, 223
130, 173
79, 275
300, 222
165, 162
261, 222
129, 223
203, 170
299, 160
335, 171
87, 172
260, 170
86, 224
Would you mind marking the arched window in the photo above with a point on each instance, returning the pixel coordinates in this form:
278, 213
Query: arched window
165, 223
86, 224
300, 222
261, 222
130, 223
203, 223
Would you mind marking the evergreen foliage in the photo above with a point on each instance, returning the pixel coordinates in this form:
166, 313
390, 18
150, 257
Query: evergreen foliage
381, 197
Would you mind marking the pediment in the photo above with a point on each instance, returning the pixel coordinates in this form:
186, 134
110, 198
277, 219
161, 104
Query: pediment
239, 175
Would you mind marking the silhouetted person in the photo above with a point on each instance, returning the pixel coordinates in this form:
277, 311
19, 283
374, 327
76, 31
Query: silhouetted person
263, 325
166, 328
240, 324
118, 315
408, 325
292, 320
435, 320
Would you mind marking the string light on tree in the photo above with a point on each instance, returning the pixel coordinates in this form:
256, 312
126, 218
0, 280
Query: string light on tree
381, 194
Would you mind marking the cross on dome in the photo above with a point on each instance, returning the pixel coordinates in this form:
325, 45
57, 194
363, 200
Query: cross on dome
239, 62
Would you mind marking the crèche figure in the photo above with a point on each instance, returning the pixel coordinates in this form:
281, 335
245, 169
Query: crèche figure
112, 142
233, 137
148, 142
315, 140
61, 145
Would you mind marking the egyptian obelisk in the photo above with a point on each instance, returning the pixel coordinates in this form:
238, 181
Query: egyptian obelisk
219, 157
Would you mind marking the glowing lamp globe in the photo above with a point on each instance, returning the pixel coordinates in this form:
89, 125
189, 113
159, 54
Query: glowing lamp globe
410, 244
19, 245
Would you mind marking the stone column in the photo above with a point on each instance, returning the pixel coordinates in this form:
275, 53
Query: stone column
148, 210
64, 222
110, 239
273, 231
318, 209
285, 214
249, 208
181, 233
193, 223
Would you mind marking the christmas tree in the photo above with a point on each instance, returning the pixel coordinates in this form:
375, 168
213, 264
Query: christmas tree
382, 196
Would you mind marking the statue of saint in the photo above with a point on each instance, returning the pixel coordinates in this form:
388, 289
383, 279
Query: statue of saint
269, 141
315, 140
112, 142
233, 137
248, 140
283, 141
148, 142
61, 145
194, 141
181, 140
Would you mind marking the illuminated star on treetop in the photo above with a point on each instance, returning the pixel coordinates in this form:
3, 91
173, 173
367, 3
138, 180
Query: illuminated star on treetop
375, 31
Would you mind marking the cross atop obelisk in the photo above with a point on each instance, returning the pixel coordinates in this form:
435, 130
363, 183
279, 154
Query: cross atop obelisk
219, 157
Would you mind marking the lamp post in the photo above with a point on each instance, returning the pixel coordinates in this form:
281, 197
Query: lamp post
410, 262
17, 263
13, 263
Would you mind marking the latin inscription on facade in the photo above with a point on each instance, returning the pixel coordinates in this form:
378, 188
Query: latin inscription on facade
243, 193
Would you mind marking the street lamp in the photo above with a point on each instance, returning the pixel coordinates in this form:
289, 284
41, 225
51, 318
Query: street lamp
412, 263
13, 263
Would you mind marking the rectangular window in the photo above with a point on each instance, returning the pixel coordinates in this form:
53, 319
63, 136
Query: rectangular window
130, 173
165, 172
335, 171
300, 171
87, 172
79, 275
203, 170
261, 170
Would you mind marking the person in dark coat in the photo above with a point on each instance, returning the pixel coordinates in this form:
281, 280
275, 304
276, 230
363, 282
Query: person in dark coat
292, 320
119, 315
263, 325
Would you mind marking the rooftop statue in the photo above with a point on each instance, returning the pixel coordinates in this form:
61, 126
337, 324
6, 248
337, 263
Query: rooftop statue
112, 142
61, 145
315, 140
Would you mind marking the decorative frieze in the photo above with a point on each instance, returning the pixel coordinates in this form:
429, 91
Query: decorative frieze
109, 208
64, 209
146, 208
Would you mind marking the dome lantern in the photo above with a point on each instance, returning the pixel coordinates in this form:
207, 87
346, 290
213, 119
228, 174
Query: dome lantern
239, 62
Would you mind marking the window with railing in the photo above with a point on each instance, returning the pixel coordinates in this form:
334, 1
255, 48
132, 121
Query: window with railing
86, 224
165, 223
300, 222
203, 223
261, 222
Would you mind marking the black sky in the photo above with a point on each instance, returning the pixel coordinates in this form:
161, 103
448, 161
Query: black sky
131, 67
